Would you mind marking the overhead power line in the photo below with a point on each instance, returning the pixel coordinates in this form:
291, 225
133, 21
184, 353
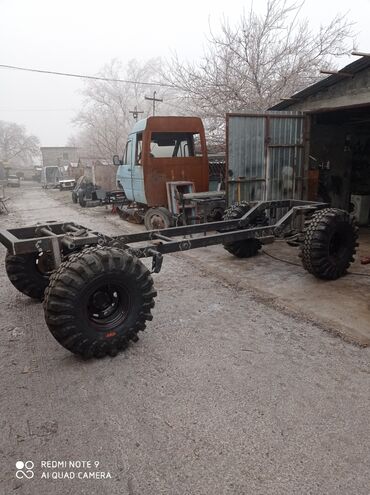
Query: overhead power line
84, 76
38, 110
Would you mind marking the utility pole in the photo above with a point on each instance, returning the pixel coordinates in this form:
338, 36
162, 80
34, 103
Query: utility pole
153, 99
135, 112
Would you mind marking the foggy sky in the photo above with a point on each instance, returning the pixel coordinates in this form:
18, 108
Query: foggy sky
83, 35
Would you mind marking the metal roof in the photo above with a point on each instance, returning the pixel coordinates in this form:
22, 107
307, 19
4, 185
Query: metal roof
352, 68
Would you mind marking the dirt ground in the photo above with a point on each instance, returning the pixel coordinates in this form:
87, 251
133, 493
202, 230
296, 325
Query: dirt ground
231, 389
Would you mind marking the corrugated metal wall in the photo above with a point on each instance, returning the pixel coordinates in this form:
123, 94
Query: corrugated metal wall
265, 154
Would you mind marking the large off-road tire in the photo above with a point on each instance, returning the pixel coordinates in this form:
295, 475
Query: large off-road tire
158, 218
98, 301
82, 199
29, 273
330, 243
74, 197
245, 248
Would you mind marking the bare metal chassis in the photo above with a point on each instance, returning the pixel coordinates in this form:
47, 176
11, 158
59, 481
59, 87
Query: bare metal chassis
61, 239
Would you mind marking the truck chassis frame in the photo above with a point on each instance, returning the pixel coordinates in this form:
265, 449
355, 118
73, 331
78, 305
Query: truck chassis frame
98, 295
52, 236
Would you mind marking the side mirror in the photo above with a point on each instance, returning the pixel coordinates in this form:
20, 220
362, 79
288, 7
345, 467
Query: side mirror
116, 161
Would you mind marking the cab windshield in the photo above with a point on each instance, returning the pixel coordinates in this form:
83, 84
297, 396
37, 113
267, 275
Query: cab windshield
173, 144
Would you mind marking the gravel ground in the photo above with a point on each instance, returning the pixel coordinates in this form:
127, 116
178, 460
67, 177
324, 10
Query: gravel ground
223, 394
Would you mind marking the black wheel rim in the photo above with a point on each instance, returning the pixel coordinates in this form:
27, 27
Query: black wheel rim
108, 305
338, 245
44, 263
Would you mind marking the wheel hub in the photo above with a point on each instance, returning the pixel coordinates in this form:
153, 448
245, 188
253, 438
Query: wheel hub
101, 300
337, 245
44, 263
157, 222
104, 304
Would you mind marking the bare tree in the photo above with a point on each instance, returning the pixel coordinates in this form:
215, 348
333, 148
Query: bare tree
16, 146
105, 120
251, 65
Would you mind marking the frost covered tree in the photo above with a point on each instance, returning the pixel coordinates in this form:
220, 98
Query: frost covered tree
263, 57
249, 65
16, 146
105, 119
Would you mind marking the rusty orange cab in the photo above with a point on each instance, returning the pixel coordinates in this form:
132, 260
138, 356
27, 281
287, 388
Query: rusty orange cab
161, 150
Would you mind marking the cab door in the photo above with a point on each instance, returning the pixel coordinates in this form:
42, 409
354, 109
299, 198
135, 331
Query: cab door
130, 173
124, 173
137, 172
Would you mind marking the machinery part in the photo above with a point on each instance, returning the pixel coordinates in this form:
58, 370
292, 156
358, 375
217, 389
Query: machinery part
158, 218
245, 248
82, 198
131, 214
29, 273
216, 214
329, 244
98, 301
74, 197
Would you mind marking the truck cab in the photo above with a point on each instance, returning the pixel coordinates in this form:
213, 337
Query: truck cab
161, 150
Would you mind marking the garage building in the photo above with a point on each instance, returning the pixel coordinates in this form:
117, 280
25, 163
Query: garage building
337, 137
314, 145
